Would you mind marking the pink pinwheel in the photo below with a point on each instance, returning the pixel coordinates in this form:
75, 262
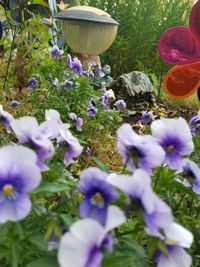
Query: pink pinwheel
181, 46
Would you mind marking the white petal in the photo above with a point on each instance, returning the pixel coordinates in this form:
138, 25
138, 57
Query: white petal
177, 234
115, 217
88, 231
178, 258
72, 252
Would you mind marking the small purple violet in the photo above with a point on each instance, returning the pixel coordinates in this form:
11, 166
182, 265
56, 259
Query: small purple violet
70, 145
14, 103
120, 104
147, 117
194, 125
91, 111
55, 52
139, 151
6, 119
82, 245
98, 194
68, 84
32, 82
175, 138
191, 173
78, 120
19, 175
88, 151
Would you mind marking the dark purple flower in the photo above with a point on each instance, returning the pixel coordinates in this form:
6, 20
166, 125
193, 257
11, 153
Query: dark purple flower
78, 120
98, 194
139, 151
157, 214
100, 72
14, 103
82, 245
120, 104
146, 117
68, 84
76, 66
32, 83
194, 125
19, 175
92, 111
6, 118
175, 138
55, 52
70, 144
104, 100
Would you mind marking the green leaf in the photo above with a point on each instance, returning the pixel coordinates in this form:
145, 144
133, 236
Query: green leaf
40, 2
39, 241
67, 219
44, 262
14, 255
50, 188
100, 164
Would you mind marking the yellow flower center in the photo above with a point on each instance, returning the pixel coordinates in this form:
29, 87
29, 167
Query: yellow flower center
8, 190
169, 149
98, 200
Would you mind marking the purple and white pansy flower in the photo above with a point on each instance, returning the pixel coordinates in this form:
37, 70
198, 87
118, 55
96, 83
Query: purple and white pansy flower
19, 175
6, 118
29, 132
98, 194
191, 173
138, 151
55, 52
78, 120
82, 245
194, 125
176, 239
157, 214
70, 145
175, 138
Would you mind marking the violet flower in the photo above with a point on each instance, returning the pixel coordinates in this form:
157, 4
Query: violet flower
98, 194
157, 214
6, 119
78, 120
68, 84
191, 173
19, 175
120, 104
32, 83
30, 133
55, 52
92, 111
176, 238
147, 117
175, 138
139, 151
14, 103
194, 125
88, 151
76, 66
70, 145
82, 245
